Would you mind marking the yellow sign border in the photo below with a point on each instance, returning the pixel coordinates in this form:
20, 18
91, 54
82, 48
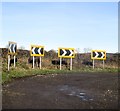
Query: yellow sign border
66, 49
37, 46
98, 51
11, 53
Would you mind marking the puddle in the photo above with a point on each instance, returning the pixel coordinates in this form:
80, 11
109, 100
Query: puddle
73, 91
85, 97
64, 88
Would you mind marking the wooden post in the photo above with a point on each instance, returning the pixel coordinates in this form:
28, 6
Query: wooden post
71, 63
8, 62
60, 62
93, 63
40, 62
14, 60
33, 61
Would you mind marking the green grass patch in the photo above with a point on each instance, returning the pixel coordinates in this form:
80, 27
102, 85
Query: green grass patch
7, 76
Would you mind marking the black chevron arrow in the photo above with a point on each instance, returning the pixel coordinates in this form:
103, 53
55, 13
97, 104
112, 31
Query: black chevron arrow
68, 53
99, 54
12, 48
61, 52
41, 50
65, 52
37, 50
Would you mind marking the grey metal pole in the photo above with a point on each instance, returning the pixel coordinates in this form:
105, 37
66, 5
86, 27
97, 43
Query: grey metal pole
40, 62
14, 60
8, 62
71, 63
103, 64
33, 61
60, 62
93, 64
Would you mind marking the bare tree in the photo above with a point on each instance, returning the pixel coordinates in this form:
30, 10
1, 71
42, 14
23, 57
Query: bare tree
22, 48
77, 50
87, 50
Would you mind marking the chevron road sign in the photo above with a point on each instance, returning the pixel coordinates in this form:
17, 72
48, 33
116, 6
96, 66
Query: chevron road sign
37, 50
66, 52
12, 49
98, 54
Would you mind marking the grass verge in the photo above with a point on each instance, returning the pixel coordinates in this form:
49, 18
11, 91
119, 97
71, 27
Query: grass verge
7, 76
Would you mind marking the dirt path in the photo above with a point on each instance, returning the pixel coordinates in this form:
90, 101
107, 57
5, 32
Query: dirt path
63, 91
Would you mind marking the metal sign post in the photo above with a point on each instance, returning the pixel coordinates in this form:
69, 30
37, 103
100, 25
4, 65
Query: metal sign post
93, 63
60, 62
40, 62
71, 63
8, 62
103, 64
14, 60
33, 61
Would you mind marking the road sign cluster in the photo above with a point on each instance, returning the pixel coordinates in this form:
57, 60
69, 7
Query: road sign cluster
37, 50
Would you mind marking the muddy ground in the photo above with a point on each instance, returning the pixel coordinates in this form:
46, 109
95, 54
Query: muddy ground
62, 91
